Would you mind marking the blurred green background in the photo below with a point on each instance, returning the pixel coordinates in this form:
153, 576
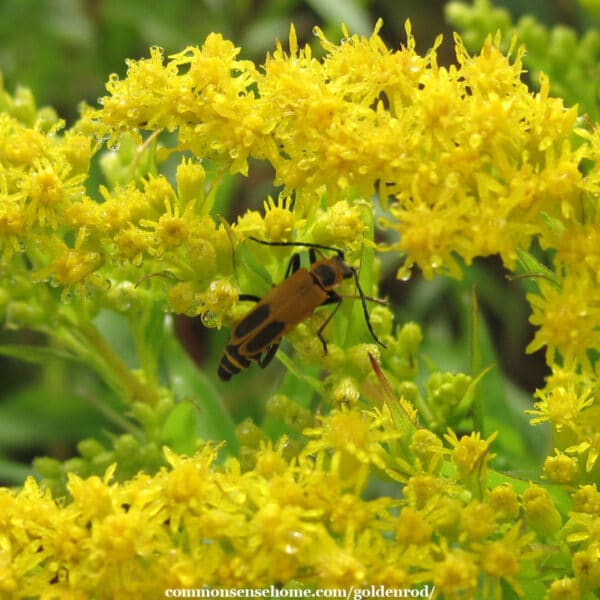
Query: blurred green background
64, 51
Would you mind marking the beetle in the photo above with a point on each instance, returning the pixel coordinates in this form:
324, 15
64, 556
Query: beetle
256, 337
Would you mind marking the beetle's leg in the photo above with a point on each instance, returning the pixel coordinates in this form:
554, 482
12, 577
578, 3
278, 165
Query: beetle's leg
312, 254
249, 298
268, 357
365, 310
293, 265
333, 299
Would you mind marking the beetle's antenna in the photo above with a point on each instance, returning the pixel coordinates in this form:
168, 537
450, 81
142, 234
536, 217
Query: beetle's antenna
300, 245
363, 301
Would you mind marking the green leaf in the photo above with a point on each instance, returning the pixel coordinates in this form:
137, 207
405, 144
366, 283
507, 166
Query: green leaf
179, 430
534, 268
192, 387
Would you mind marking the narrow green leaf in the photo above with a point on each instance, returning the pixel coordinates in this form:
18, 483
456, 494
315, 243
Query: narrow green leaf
478, 423
532, 267
35, 354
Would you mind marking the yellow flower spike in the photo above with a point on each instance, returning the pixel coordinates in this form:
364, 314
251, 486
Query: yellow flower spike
85, 215
540, 512
351, 514
250, 223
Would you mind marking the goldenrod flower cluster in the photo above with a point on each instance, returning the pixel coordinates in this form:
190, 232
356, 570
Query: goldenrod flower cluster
466, 162
301, 521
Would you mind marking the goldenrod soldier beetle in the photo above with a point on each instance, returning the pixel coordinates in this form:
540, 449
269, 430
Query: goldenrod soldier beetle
257, 336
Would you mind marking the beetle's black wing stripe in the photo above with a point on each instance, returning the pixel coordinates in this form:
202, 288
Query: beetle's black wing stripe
255, 318
233, 354
267, 336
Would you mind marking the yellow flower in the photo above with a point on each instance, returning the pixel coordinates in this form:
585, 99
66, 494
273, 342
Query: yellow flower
562, 406
567, 317
502, 559
586, 566
565, 588
587, 500
540, 512
49, 189
561, 468
355, 438
170, 231
13, 229
412, 528
477, 521
456, 575
73, 268
280, 220
503, 500
471, 454
22, 146
467, 163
